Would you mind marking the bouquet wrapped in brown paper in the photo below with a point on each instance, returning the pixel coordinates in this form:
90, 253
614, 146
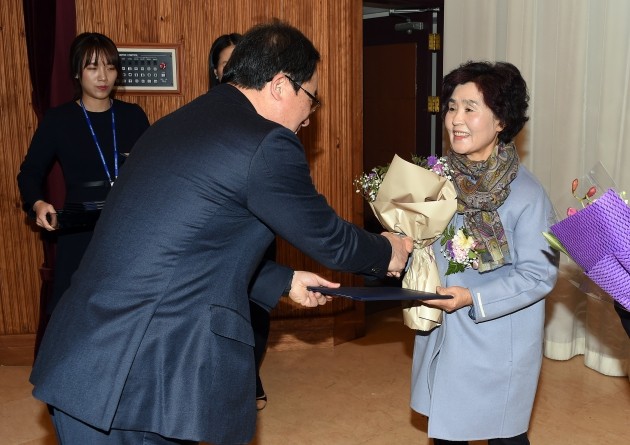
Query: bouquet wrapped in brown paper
419, 202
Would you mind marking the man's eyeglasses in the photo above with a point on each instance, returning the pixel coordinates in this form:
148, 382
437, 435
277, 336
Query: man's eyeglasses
315, 102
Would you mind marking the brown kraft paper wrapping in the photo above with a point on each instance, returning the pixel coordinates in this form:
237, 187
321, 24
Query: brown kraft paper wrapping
418, 203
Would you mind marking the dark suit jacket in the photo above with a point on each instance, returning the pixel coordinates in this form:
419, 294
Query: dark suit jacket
154, 332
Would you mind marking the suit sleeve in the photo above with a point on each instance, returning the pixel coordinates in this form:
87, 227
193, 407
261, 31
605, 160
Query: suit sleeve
33, 170
269, 283
281, 194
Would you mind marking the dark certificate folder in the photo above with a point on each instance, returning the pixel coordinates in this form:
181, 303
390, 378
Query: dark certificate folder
378, 293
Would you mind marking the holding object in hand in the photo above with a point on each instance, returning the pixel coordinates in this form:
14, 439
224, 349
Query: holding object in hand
418, 199
498, 310
90, 137
167, 304
45, 215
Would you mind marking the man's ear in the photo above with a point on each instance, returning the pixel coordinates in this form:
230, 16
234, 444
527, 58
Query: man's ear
278, 86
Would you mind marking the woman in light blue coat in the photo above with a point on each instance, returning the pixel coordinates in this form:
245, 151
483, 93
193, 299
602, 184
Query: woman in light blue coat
475, 376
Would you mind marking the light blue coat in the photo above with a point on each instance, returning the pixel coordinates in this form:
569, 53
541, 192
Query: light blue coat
476, 379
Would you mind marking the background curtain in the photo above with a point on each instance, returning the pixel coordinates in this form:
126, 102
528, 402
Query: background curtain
575, 57
50, 27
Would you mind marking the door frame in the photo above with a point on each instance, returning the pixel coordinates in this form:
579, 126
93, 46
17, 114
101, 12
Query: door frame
379, 22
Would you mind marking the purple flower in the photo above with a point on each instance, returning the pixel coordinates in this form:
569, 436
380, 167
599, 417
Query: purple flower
431, 161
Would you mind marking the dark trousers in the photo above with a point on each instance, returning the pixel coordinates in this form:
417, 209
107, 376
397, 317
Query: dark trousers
521, 439
260, 323
71, 431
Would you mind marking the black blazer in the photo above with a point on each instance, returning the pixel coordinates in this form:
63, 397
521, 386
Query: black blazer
154, 332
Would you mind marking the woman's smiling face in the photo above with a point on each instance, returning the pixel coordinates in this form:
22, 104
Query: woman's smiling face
472, 127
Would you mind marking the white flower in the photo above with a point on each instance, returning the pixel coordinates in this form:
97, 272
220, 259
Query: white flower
463, 242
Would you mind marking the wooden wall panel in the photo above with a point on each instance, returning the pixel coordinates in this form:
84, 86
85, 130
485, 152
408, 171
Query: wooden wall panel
21, 253
333, 140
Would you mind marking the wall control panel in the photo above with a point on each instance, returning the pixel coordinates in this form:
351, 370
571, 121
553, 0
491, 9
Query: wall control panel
148, 70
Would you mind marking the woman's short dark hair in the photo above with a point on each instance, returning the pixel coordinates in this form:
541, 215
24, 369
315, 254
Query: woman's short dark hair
268, 49
222, 42
503, 88
82, 50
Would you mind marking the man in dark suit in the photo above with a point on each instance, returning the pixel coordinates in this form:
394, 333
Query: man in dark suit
152, 343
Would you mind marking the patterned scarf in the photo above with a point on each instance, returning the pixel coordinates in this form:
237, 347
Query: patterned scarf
482, 187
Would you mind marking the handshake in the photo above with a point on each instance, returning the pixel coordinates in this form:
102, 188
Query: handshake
401, 248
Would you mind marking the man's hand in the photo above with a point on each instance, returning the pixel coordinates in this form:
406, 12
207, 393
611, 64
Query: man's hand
301, 295
42, 209
401, 248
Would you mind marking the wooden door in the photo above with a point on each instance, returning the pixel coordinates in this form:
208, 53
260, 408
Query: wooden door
400, 72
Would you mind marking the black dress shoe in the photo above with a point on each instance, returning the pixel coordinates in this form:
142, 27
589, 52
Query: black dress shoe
261, 402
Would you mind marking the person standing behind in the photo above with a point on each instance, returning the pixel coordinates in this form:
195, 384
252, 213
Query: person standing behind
220, 53
90, 137
475, 376
153, 342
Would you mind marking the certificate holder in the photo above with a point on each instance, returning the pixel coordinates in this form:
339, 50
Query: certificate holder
378, 293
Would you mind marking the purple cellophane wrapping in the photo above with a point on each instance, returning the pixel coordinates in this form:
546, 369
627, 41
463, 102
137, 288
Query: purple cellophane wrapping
598, 230
612, 274
598, 240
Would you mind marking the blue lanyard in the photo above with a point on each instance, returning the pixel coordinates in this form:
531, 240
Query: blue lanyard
98, 146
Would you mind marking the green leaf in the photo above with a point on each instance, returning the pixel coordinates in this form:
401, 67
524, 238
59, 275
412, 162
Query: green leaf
454, 267
555, 243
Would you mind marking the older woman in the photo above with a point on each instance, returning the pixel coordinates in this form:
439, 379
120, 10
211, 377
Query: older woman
475, 376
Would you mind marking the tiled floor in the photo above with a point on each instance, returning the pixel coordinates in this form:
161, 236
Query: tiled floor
358, 394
